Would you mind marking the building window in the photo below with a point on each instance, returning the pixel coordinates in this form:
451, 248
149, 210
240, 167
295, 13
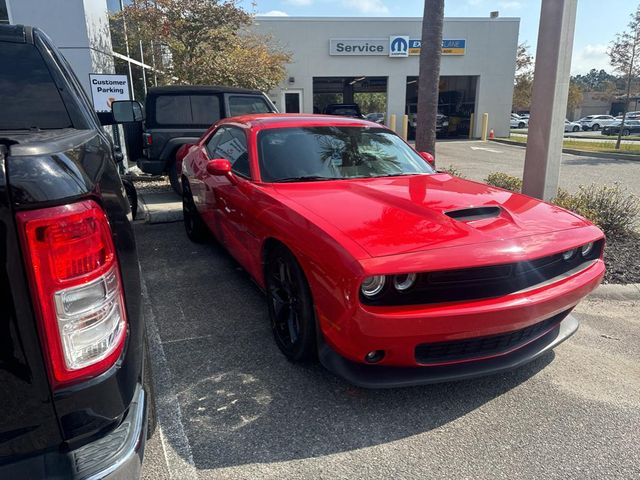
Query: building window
4, 14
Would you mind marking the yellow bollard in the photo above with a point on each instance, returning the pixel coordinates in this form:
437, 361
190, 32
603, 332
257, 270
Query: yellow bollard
472, 121
485, 126
405, 127
392, 122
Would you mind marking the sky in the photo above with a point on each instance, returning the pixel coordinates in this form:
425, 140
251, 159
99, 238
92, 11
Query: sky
596, 25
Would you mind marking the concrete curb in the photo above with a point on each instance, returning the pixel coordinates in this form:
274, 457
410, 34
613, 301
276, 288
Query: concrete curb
627, 292
584, 153
152, 213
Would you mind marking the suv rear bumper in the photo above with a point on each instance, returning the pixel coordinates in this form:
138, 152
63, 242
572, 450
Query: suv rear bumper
117, 455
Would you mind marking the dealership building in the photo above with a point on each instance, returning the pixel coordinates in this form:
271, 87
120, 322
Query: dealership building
334, 60
339, 59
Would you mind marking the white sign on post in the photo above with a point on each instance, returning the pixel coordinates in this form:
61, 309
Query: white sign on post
106, 89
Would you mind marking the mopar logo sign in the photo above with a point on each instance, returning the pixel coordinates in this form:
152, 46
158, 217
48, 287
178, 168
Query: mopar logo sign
398, 46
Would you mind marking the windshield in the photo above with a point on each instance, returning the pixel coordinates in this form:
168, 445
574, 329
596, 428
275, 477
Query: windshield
327, 153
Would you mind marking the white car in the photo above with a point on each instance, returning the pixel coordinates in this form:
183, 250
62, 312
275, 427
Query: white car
596, 122
571, 126
518, 122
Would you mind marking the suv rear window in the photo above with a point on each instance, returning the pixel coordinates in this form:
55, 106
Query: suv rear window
247, 104
28, 94
187, 109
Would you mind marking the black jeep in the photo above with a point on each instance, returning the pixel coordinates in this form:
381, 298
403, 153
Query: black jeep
179, 115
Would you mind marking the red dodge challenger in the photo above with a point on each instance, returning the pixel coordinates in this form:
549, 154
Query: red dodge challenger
390, 272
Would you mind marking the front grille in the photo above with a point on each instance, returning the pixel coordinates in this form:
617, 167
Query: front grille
481, 282
463, 350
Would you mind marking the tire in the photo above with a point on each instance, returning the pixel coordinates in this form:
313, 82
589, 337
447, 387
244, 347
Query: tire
174, 177
521, 125
626, 132
576, 128
132, 196
596, 127
290, 306
193, 224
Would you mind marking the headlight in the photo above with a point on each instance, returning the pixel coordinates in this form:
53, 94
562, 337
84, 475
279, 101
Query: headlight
404, 282
371, 286
569, 254
586, 249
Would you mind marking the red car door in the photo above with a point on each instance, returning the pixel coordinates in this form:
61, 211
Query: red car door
231, 200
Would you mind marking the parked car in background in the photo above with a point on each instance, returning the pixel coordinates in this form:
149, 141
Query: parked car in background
376, 117
179, 115
442, 121
517, 121
392, 273
571, 126
631, 127
524, 115
75, 393
596, 122
344, 110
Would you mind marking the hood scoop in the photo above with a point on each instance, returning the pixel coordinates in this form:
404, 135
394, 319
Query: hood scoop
474, 213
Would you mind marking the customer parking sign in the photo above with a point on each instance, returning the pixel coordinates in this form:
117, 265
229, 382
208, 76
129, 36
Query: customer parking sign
106, 89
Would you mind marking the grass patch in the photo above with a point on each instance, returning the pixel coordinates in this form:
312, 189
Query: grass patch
589, 146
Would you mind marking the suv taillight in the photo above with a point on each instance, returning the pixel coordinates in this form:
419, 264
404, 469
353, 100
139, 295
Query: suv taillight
148, 139
76, 288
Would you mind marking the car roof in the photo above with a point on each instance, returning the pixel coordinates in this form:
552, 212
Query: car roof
199, 89
283, 120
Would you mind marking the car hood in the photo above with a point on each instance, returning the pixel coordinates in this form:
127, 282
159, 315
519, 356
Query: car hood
393, 215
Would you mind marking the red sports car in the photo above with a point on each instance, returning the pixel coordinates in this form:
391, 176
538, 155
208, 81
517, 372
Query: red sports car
391, 272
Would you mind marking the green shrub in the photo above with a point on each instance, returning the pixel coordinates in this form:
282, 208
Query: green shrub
611, 207
503, 180
451, 170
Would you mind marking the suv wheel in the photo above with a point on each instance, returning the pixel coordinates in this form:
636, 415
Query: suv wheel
596, 126
174, 177
626, 132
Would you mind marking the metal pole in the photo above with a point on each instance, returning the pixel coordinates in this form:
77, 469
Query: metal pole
144, 70
549, 100
126, 47
153, 64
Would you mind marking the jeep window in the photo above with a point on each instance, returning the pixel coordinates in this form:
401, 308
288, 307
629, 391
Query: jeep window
247, 104
35, 103
187, 109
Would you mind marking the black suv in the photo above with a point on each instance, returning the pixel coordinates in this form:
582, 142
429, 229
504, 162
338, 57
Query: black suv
73, 389
179, 115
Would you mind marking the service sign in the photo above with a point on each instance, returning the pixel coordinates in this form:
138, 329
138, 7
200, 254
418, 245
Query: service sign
359, 46
106, 89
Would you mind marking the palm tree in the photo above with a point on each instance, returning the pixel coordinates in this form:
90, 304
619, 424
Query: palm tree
431, 48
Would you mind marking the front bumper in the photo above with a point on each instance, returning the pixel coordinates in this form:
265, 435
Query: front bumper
374, 376
115, 456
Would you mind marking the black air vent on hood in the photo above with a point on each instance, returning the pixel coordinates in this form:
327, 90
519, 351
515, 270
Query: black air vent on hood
473, 213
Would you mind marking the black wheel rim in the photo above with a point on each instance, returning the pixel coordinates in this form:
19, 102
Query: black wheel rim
284, 299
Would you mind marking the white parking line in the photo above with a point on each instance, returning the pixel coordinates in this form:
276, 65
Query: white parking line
175, 444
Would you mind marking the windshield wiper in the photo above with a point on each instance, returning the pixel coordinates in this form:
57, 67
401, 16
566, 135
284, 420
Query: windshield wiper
308, 178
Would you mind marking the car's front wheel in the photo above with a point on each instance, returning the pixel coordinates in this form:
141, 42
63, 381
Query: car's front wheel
626, 132
290, 306
521, 125
596, 127
576, 128
193, 224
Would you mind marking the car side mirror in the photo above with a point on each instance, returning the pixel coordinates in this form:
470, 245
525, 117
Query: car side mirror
127, 111
429, 158
220, 167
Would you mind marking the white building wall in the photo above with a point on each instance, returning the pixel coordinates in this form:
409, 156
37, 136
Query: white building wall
491, 46
80, 29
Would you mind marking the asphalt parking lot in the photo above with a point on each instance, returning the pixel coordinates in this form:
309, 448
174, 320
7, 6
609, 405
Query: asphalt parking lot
477, 159
230, 406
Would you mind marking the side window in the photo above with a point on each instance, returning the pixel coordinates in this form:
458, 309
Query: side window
247, 104
214, 140
233, 146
